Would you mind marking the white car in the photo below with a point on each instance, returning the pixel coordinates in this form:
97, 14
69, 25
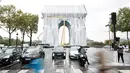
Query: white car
73, 52
58, 52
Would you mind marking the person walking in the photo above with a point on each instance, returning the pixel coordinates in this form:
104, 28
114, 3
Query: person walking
120, 53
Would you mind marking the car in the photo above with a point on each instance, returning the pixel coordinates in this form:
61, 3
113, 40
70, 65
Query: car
58, 52
107, 47
9, 56
32, 53
73, 52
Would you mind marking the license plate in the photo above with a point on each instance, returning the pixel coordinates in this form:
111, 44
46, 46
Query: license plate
58, 54
83, 59
28, 59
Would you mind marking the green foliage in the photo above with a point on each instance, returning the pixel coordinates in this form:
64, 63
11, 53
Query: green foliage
123, 19
95, 43
32, 27
13, 20
108, 42
33, 21
112, 27
7, 17
5, 41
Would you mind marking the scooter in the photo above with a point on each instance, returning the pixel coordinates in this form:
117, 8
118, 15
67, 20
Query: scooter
82, 60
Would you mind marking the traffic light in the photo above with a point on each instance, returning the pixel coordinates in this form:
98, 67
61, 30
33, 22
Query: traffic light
113, 18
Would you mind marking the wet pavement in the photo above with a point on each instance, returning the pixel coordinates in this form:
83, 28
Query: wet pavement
72, 66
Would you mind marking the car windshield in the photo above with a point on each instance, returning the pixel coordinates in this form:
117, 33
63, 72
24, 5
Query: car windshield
8, 51
74, 48
31, 51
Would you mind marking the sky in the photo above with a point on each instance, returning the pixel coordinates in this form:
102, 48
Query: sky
97, 14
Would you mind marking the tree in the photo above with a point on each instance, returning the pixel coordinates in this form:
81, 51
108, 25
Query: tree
108, 42
32, 27
7, 18
123, 20
22, 23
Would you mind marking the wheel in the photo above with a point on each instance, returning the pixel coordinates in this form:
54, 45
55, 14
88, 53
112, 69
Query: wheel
10, 60
70, 58
42, 55
53, 57
64, 57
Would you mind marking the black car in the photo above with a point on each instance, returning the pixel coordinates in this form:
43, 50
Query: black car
59, 52
32, 53
9, 56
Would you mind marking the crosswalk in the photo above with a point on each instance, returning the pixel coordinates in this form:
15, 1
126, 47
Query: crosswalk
90, 70
20, 71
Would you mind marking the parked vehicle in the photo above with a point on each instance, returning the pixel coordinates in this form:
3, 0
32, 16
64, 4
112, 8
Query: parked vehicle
73, 52
107, 47
32, 53
58, 52
9, 56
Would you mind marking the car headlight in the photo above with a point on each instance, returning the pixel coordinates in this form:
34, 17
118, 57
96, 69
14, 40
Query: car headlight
64, 54
53, 54
81, 55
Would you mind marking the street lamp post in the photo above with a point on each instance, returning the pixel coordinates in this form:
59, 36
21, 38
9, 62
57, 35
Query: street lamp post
109, 34
17, 40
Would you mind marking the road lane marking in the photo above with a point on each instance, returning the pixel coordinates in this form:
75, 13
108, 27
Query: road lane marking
23, 71
124, 71
76, 70
60, 70
4, 71
42, 71
93, 70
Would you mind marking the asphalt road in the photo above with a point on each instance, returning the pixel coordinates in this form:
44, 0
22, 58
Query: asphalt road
58, 65
49, 66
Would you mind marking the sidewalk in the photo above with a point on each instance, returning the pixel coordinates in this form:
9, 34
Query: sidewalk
111, 57
124, 71
126, 58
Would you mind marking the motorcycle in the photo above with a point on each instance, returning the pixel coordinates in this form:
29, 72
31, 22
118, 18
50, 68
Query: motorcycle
82, 60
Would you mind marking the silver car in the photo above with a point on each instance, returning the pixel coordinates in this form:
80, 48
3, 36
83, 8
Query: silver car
73, 52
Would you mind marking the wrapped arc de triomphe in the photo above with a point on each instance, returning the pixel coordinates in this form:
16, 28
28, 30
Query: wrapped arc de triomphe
73, 17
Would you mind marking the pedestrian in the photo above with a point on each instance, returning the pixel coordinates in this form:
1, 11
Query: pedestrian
120, 53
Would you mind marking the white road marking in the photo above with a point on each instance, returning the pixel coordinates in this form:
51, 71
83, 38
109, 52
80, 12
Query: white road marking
76, 70
42, 71
23, 71
125, 71
60, 70
4, 71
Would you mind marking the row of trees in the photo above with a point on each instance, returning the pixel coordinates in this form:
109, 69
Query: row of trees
123, 21
4, 40
12, 20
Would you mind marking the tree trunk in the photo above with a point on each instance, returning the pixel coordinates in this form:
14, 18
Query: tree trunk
22, 40
128, 40
9, 39
30, 38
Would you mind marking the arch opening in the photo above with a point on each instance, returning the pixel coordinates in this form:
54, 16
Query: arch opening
64, 33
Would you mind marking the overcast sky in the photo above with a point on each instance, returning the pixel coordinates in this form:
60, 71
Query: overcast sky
97, 14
